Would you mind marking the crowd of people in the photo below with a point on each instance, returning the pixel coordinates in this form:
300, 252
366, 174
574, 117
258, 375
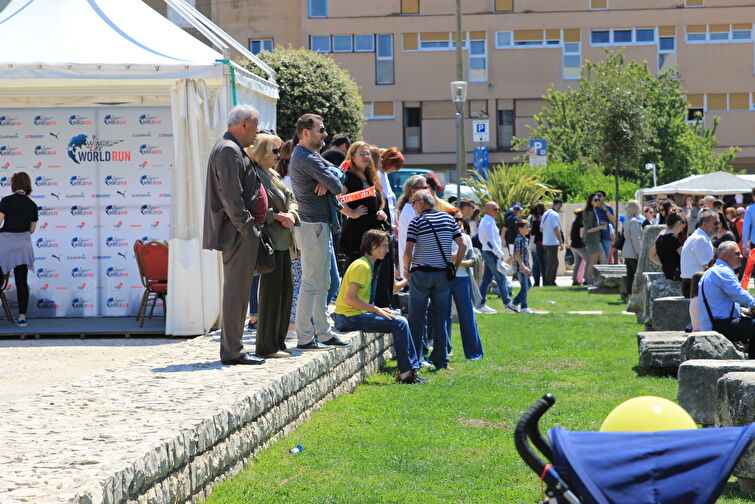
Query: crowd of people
322, 227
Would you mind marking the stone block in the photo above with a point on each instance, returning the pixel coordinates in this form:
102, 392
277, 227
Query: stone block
668, 335
709, 345
735, 406
661, 350
643, 310
670, 313
636, 303
697, 385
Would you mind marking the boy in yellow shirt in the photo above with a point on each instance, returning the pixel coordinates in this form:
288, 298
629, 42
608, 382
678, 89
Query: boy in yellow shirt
355, 312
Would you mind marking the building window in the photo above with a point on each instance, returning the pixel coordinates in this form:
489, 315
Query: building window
667, 49
504, 5
644, 36
598, 4
378, 110
719, 33
695, 106
739, 101
623, 37
505, 129
693, 3
504, 39
384, 59
571, 55
319, 43
256, 46
177, 18
342, 43
413, 129
478, 61
409, 6
318, 8
364, 43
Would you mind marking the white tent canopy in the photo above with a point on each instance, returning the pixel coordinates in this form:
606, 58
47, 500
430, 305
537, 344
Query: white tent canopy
717, 183
60, 53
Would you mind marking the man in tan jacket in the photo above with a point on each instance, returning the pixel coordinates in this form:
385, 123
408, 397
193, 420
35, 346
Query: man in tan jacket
232, 188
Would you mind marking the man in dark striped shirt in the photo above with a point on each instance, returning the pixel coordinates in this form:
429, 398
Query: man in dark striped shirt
427, 255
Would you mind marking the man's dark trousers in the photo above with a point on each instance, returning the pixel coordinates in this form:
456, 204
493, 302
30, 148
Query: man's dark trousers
551, 264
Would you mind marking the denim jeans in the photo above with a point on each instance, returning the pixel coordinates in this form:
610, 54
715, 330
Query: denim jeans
335, 280
402, 336
314, 241
430, 287
491, 271
470, 336
538, 265
521, 296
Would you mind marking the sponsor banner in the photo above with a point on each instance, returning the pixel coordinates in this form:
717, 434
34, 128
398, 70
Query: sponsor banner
101, 178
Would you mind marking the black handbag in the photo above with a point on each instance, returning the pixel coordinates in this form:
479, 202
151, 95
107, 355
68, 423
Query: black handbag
265, 254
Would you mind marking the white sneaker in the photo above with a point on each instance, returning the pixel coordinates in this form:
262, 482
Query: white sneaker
526, 310
475, 310
487, 310
510, 308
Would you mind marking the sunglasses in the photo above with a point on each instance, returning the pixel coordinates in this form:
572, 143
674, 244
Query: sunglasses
419, 189
276, 152
458, 219
362, 154
321, 130
411, 202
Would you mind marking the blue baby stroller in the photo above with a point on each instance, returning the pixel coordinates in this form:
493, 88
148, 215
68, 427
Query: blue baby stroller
668, 467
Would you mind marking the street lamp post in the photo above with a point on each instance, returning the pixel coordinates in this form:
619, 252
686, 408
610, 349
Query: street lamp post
459, 96
651, 166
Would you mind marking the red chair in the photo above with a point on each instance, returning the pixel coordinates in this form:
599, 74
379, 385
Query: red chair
3, 297
152, 259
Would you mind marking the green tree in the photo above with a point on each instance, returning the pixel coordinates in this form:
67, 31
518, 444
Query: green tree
579, 179
621, 116
313, 83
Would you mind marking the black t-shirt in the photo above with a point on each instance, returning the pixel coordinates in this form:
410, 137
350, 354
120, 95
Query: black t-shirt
510, 223
335, 156
666, 246
576, 240
20, 211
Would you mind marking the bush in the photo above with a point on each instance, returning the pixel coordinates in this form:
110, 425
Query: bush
313, 83
509, 184
579, 179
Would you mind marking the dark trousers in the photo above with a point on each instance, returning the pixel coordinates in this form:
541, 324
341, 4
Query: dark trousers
686, 287
551, 264
238, 270
276, 297
631, 271
385, 278
738, 330
22, 287
538, 265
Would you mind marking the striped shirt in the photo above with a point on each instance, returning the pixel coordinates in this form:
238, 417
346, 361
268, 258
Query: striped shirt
426, 253
521, 245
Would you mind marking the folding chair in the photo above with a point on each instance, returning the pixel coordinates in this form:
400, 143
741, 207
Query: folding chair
3, 298
152, 260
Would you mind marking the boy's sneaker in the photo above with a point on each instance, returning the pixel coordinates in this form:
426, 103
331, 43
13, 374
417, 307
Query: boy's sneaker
475, 310
487, 310
510, 308
526, 310
411, 379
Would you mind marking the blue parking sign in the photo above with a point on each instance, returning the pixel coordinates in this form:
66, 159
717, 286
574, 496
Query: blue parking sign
539, 147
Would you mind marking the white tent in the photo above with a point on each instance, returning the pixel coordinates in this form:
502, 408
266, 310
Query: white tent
60, 53
716, 183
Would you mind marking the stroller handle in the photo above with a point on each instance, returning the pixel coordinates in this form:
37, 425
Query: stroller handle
528, 426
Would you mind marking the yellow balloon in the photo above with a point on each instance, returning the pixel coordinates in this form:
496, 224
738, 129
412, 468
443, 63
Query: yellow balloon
647, 414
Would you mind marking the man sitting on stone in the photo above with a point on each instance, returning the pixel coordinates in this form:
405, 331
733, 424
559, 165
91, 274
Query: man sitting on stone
722, 296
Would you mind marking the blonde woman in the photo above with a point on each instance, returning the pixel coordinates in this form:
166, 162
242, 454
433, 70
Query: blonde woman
275, 288
361, 174
632, 240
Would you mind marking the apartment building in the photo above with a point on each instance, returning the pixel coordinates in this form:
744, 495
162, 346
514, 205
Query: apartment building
402, 54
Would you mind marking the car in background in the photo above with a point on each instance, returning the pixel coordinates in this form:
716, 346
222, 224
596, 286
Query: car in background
398, 178
449, 192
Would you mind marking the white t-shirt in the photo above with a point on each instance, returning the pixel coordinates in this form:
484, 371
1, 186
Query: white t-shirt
696, 253
548, 222
463, 272
407, 214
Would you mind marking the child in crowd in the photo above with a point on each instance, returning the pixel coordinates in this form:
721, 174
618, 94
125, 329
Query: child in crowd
694, 302
522, 265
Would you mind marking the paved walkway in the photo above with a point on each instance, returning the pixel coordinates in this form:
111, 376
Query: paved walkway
58, 438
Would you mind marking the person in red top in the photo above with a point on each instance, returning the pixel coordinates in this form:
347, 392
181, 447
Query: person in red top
738, 222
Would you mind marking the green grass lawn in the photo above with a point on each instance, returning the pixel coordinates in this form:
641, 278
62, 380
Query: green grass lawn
451, 440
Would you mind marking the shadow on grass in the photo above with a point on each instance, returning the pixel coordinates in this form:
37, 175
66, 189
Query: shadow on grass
643, 372
731, 490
